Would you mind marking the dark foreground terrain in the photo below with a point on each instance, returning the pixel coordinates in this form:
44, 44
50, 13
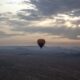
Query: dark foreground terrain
32, 63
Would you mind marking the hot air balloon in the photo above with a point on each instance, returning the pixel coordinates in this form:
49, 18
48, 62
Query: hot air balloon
41, 42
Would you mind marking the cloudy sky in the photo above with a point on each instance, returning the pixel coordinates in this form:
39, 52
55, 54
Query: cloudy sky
22, 22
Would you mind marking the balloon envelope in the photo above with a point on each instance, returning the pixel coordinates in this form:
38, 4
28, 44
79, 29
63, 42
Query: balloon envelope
41, 42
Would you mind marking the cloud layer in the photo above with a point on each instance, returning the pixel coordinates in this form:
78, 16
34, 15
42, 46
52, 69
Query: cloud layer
54, 17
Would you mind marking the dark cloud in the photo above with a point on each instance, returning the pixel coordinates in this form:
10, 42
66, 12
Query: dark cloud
43, 8
72, 4
46, 8
3, 17
58, 31
17, 23
33, 14
49, 7
76, 12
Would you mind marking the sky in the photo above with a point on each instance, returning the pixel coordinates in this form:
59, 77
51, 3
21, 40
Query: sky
22, 22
